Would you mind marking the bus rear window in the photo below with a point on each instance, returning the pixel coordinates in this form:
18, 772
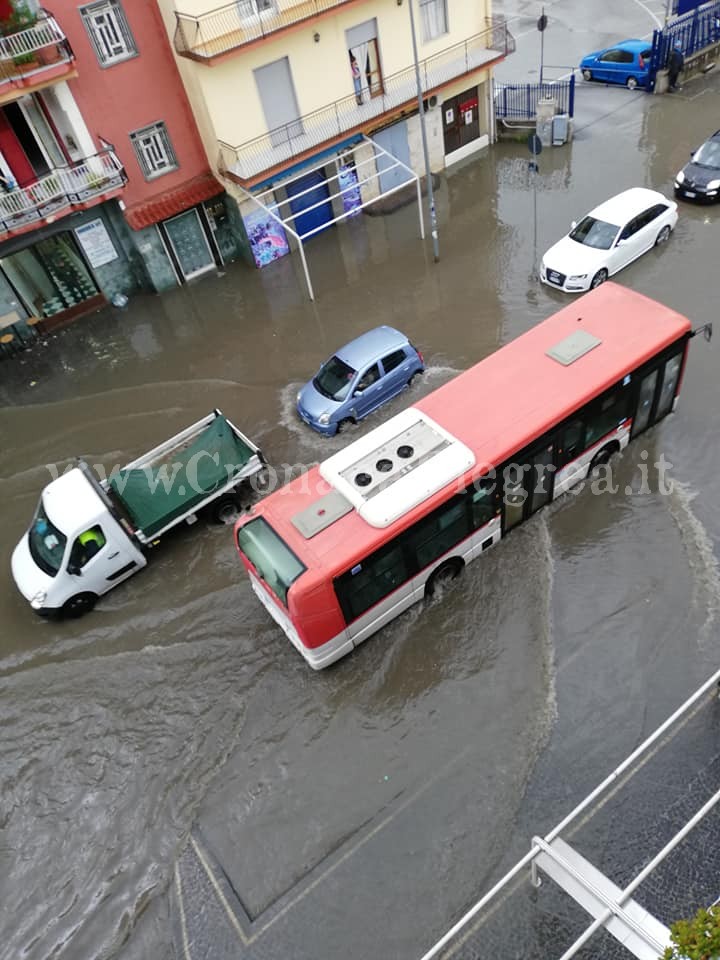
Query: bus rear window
271, 557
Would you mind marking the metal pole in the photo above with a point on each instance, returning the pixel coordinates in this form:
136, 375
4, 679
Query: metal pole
542, 48
428, 173
307, 272
420, 213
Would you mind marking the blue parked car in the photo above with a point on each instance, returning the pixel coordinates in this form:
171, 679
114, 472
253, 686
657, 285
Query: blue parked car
625, 63
358, 379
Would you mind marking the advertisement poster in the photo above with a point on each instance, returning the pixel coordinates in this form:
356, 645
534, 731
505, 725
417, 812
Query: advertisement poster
347, 181
96, 242
268, 240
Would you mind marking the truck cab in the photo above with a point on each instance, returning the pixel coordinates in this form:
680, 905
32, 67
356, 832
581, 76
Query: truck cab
74, 551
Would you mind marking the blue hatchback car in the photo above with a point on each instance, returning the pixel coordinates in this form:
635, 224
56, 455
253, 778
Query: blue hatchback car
625, 63
358, 379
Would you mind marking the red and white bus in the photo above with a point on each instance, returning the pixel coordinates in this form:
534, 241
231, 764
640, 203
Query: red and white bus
340, 551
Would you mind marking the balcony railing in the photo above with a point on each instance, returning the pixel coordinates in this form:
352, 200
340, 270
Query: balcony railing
61, 190
331, 122
34, 49
231, 26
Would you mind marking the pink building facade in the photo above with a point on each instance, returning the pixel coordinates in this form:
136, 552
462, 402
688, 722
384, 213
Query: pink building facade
104, 184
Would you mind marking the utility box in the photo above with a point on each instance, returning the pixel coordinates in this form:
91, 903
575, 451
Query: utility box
560, 129
545, 111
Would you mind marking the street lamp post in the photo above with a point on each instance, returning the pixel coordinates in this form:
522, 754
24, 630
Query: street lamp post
428, 172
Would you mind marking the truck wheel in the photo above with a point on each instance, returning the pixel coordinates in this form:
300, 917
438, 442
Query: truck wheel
226, 509
78, 605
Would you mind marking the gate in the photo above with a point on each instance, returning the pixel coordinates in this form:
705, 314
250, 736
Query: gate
695, 30
518, 101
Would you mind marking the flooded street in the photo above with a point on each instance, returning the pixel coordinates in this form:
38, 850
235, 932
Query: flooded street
390, 786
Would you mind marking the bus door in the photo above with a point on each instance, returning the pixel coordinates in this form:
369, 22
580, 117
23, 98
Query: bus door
656, 394
528, 486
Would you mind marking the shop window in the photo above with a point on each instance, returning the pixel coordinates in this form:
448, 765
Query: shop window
109, 32
433, 14
154, 151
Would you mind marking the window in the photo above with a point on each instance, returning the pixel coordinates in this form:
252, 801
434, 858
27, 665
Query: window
611, 411
571, 442
272, 558
484, 501
370, 377
154, 150
371, 581
46, 542
433, 14
616, 56
393, 360
86, 546
442, 529
109, 32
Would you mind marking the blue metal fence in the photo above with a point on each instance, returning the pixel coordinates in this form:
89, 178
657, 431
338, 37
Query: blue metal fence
518, 101
693, 31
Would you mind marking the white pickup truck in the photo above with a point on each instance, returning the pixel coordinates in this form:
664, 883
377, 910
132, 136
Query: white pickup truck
88, 535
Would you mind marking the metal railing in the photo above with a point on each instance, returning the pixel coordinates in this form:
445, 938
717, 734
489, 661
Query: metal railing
335, 119
208, 35
40, 45
694, 31
518, 101
62, 188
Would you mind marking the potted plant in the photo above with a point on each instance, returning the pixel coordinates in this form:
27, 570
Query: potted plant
697, 938
21, 18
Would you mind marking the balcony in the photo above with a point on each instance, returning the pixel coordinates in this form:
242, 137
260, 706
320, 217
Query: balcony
227, 28
74, 187
34, 55
332, 123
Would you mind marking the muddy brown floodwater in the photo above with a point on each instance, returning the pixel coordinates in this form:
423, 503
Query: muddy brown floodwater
178, 703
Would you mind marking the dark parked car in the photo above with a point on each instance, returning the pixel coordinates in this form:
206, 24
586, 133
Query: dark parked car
625, 63
700, 179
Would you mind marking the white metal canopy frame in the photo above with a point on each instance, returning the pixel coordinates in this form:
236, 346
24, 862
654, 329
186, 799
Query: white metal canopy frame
367, 172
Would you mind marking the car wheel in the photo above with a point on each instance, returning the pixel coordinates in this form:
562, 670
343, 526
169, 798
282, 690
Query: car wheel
344, 424
663, 236
587, 75
600, 277
78, 605
631, 83
414, 378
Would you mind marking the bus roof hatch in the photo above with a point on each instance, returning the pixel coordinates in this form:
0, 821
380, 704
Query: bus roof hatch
573, 347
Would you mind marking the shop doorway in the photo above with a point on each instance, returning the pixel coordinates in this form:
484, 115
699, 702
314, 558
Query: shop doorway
461, 120
189, 244
50, 276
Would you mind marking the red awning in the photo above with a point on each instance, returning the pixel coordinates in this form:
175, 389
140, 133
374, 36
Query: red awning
173, 201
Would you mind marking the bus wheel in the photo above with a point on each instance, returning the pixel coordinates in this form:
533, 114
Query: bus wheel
225, 510
446, 572
78, 605
602, 457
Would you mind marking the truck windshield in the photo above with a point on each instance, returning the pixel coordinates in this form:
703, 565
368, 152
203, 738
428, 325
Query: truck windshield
271, 557
46, 543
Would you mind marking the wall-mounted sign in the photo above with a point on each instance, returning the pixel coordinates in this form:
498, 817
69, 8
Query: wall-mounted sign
449, 116
96, 242
347, 181
268, 240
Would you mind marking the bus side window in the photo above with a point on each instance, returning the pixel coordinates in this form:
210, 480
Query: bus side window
371, 581
603, 419
571, 442
484, 497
